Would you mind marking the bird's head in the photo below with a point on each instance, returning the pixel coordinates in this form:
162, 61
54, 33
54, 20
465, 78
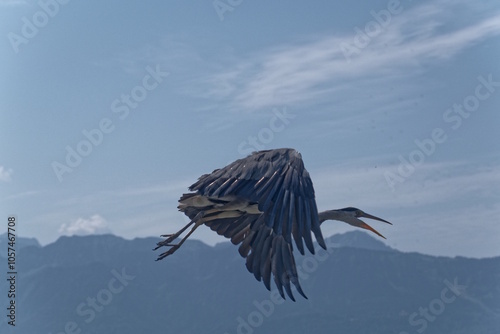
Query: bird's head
350, 215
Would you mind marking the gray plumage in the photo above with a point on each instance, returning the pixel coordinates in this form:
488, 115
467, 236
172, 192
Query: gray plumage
261, 202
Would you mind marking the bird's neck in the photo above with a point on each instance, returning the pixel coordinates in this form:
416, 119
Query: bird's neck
330, 215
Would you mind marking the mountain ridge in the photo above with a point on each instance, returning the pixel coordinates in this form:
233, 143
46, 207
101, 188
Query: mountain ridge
107, 284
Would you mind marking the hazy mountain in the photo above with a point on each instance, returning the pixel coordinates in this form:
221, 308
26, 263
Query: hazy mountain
21, 242
106, 284
358, 240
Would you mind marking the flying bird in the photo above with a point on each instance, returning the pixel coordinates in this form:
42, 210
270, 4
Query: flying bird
261, 202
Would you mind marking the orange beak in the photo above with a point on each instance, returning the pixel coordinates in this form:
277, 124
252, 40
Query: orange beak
364, 225
368, 227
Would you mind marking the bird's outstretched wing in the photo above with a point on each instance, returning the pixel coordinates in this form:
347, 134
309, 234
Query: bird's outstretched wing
278, 182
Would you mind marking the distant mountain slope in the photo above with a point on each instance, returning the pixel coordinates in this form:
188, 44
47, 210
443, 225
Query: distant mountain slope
21, 242
358, 239
106, 284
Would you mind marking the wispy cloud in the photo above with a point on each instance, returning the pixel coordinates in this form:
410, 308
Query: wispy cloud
133, 197
5, 174
315, 69
431, 184
174, 53
22, 195
309, 70
440, 206
82, 226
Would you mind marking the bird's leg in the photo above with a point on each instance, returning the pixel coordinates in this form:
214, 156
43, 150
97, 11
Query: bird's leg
173, 247
172, 237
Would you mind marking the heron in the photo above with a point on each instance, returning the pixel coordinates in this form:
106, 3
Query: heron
260, 203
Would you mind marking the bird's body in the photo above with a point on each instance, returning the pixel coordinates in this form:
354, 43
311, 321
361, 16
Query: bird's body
261, 202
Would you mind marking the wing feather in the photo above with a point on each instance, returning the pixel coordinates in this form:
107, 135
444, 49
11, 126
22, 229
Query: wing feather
277, 266
280, 185
257, 250
265, 261
307, 228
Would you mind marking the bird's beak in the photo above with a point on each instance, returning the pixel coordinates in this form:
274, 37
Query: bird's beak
368, 227
364, 225
366, 215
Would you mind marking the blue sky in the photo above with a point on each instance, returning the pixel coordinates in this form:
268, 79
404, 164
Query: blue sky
393, 105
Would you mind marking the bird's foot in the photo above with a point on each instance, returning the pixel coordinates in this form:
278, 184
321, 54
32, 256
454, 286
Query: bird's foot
171, 251
170, 238
167, 242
